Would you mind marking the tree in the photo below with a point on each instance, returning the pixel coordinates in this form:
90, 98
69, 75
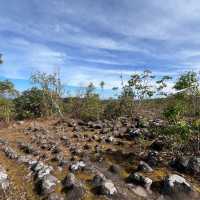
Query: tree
89, 90
141, 85
7, 93
102, 84
188, 94
187, 80
162, 84
52, 89
139, 88
30, 104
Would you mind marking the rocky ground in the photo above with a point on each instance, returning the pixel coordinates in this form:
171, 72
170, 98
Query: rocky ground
70, 159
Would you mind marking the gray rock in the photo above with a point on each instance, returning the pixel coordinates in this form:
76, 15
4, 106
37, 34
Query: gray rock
103, 186
27, 159
55, 196
143, 166
70, 181
115, 169
175, 185
107, 188
10, 153
48, 184
180, 163
80, 165
193, 166
74, 189
139, 179
152, 158
41, 169
4, 182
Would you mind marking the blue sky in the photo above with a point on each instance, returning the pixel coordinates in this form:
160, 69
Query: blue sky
94, 40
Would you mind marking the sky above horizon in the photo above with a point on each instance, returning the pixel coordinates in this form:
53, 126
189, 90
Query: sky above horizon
95, 40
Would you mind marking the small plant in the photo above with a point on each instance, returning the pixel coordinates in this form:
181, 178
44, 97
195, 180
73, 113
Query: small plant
174, 113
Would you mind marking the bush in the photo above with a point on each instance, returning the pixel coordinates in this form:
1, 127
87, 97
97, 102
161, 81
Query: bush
6, 109
112, 110
179, 131
29, 104
173, 113
91, 108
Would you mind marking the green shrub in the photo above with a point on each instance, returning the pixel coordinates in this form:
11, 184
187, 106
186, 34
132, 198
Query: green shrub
179, 131
91, 108
112, 110
29, 104
6, 109
174, 113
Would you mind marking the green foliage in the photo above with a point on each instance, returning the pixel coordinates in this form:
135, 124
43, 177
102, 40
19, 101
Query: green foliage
7, 92
6, 109
162, 84
187, 80
112, 109
7, 89
52, 89
91, 108
179, 131
173, 113
141, 86
29, 104
196, 124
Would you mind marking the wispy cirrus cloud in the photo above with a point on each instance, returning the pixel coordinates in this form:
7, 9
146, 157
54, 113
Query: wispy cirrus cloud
99, 40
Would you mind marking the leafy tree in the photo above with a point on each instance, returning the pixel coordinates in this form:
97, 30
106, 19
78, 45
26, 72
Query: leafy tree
188, 94
52, 90
90, 90
7, 93
162, 84
30, 104
187, 80
141, 85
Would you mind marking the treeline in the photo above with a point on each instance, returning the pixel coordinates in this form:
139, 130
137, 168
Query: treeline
141, 92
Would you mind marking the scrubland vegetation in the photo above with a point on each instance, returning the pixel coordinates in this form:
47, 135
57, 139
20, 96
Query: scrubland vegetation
143, 143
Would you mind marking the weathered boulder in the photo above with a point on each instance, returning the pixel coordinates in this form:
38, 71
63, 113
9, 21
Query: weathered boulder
186, 164
115, 169
27, 159
103, 186
41, 169
143, 166
80, 165
135, 134
10, 153
55, 196
139, 179
180, 163
74, 189
4, 181
193, 166
48, 184
152, 158
176, 186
